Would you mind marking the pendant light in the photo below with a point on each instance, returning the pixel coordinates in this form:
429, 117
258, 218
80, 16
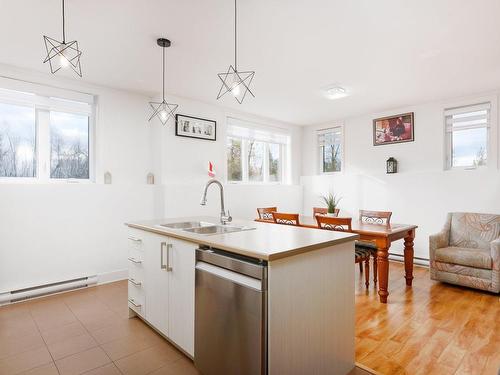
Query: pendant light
164, 111
62, 54
234, 81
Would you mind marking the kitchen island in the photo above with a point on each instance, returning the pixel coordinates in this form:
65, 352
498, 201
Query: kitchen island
307, 288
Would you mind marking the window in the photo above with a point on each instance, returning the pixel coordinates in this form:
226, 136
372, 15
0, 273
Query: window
256, 154
17, 141
467, 136
234, 165
330, 150
44, 137
69, 145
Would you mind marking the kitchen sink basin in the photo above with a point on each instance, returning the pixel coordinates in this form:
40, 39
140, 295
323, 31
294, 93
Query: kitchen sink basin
187, 224
216, 229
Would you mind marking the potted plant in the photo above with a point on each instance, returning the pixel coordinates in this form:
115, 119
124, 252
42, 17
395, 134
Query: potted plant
332, 202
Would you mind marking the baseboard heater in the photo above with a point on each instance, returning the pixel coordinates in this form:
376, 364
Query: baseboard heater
43, 290
416, 260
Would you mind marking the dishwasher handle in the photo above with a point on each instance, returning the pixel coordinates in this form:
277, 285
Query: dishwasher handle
237, 278
243, 265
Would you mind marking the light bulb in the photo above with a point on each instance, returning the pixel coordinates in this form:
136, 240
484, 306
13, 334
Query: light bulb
63, 61
236, 89
163, 115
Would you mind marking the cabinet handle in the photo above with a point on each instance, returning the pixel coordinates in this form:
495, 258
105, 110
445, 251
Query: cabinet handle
135, 239
131, 300
133, 260
169, 267
163, 266
133, 281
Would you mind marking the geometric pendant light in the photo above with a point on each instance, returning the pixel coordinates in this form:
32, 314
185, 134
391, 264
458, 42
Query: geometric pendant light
62, 54
234, 81
163, 110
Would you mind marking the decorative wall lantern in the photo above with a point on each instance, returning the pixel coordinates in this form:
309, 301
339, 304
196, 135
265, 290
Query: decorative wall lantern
392, 165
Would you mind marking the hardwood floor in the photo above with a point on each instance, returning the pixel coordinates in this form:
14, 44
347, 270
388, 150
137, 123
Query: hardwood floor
432, 328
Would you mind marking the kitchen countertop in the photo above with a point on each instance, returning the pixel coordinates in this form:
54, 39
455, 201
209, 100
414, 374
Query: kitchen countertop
267, 242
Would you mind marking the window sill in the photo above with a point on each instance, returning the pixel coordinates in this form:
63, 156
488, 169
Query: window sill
330, 173
36, 181
243, 183
483, 168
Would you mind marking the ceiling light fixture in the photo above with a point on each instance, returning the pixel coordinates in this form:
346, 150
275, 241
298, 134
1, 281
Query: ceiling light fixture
62, 54
163, 110
336, 92
234, 81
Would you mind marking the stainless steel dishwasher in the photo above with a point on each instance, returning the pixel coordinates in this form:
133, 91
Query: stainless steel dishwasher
230, 314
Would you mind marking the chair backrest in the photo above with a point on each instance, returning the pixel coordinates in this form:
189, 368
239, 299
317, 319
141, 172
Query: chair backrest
287, 219
474, 230
324, 211
342, 224
375, 217
266, 213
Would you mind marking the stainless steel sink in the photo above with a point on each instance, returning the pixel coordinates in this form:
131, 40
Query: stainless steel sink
187, 224
217, 229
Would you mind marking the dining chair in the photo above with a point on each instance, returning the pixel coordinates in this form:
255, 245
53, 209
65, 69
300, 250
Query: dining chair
324, 211
265, 213
344, 224
376, 218
287, 219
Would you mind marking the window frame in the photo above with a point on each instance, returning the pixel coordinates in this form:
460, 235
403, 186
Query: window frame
41, 105
491, 134
285, 149
320, 153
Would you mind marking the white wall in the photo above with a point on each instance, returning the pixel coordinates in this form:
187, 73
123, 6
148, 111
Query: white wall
422, 192
52, 232
184, 161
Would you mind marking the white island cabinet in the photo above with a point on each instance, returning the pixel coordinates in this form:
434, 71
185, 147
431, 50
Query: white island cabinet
161, 285
308, 314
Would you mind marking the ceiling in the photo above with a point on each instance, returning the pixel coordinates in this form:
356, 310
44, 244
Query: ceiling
386, 53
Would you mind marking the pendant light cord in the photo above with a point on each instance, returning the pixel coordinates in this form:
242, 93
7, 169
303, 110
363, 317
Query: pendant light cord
63, 24
235, 36
163, 65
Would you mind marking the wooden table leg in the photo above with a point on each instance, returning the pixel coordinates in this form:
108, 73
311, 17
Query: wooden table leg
383, 269
409, 257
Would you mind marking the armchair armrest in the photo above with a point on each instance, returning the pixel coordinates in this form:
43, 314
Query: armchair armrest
437, 241
495, 254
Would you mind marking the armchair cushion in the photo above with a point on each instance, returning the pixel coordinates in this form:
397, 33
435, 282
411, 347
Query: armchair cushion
474, 230
437, 241
478, 258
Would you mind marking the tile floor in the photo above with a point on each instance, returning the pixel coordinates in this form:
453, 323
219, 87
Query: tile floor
83, 332
86, 332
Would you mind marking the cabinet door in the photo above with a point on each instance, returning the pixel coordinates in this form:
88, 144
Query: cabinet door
181, 294
156, 283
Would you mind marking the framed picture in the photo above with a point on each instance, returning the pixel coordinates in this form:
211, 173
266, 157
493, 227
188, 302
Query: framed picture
194, 127
393, 129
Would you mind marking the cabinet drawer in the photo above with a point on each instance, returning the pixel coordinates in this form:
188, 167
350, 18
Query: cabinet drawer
137, 299
135, 240
136, 257
136, 273
136, 264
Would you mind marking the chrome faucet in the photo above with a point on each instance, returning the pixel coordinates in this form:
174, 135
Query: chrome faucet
224, 218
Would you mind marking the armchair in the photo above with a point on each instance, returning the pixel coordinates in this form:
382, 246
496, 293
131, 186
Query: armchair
467, 251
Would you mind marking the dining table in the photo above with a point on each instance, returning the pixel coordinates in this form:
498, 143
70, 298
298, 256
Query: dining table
381, 235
